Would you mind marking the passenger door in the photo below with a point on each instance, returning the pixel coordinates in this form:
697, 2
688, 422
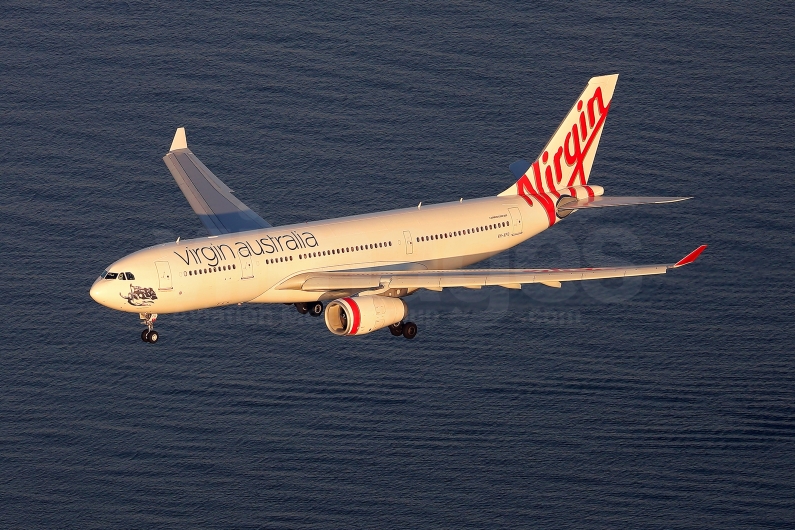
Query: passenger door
516, 221
246, 267
163, 275
409, 242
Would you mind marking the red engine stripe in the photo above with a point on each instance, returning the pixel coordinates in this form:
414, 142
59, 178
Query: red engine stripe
357, 316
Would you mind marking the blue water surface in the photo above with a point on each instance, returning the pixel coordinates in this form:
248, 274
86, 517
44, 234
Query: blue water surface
666, 402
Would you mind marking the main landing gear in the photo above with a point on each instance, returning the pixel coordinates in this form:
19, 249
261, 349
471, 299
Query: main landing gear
408, 329
313, 308
149, 334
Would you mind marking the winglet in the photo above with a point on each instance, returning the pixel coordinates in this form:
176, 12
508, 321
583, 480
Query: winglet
180, 142
690, 258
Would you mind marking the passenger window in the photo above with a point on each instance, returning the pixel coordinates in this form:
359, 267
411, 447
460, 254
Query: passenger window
130, 276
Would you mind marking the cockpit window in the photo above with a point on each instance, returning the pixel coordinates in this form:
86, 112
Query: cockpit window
111, 276
121, 276
102, 275
130, 276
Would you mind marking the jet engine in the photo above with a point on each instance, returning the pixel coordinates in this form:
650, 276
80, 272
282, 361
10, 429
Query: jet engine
364, 314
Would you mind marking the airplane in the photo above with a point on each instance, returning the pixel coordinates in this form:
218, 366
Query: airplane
363, 266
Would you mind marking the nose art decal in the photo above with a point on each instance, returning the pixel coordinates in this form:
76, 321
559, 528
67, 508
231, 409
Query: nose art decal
140, 296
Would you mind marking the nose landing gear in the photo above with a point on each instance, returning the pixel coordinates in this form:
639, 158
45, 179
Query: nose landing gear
149, 334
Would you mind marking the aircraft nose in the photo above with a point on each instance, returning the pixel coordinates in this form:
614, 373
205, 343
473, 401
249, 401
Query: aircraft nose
94, 292
98, 293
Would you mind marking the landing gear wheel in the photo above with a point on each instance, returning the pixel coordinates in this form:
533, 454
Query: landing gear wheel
149, 334
302, 307
316, 309
409, 330
396, 329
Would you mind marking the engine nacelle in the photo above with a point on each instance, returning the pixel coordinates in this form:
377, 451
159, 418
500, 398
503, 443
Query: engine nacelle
363, 314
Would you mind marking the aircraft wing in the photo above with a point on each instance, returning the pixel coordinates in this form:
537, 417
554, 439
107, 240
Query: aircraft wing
436, 280
220, 211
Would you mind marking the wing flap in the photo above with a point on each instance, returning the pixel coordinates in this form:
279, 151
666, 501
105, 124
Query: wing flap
218, 209
472, 278
340, 281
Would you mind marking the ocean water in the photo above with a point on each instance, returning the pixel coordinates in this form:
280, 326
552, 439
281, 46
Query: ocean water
666, 402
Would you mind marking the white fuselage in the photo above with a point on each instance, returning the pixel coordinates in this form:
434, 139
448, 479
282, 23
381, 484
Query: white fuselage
250, 266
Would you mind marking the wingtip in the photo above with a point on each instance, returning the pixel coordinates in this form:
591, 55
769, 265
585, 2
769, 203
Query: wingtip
690, 258
179, 142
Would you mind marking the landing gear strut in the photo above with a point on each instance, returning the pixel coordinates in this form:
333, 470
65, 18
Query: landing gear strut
149, 334
408, 329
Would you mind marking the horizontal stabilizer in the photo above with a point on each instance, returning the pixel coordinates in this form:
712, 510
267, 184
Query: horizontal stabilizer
519, 168
605, 202
220, 211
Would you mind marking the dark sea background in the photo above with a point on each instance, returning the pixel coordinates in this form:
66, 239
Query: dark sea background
667, 402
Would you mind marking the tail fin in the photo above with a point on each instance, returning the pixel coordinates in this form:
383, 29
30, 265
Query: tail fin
567, 159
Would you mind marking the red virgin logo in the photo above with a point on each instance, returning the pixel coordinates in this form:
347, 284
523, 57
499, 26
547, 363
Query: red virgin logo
564, 169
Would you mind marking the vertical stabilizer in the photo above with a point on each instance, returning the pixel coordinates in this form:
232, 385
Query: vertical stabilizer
567, 159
